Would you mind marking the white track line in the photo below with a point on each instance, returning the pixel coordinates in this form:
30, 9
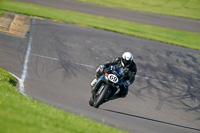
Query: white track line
15, 76
56, 59
20, 81
23, 77
85, 65
42, 56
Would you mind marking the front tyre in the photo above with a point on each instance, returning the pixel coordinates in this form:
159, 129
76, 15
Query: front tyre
99, 99
91, 101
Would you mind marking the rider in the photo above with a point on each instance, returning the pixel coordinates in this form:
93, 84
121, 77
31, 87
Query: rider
129, 69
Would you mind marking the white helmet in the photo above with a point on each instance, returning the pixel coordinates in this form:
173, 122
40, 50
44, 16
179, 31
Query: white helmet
127, 58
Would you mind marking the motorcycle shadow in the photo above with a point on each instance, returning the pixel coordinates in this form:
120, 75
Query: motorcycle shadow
114, 97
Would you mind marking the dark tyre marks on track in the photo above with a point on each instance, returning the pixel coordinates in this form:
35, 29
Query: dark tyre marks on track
62, 65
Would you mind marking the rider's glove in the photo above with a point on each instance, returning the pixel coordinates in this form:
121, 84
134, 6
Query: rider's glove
127, 83
102, 67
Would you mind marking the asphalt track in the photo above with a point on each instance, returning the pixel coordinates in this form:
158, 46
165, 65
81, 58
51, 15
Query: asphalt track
63, 58
135, 16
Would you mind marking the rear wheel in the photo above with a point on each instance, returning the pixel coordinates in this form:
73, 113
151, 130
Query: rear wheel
100, 97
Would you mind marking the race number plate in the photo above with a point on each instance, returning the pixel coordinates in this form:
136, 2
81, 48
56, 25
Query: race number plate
113, 78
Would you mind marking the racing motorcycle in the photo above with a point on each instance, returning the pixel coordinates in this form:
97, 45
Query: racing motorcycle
107, 85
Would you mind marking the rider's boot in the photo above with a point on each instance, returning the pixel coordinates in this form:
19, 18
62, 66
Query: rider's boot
122, 93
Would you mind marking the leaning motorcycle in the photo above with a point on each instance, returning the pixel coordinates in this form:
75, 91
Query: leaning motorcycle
107, 85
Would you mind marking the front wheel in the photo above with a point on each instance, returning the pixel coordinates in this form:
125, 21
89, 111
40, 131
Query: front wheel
91, 101
100, 98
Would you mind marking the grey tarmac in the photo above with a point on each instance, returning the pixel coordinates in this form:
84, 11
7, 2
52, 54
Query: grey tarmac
62, 62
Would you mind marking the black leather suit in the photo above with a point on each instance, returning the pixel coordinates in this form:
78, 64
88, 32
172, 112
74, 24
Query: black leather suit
129, 74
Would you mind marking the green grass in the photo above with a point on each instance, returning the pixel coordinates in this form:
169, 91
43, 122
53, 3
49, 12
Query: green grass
20, 114
1, 12
171, 36
181, 8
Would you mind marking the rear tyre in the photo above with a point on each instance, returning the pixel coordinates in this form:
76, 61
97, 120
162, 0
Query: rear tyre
99, 100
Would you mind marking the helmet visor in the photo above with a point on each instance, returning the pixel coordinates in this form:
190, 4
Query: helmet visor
126, 62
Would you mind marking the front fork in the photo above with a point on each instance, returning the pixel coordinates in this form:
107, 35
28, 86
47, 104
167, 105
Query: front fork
95, 89
97, 85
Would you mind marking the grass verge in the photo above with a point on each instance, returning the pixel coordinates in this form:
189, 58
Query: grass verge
181, 8
1, 12
171, 36
24, 115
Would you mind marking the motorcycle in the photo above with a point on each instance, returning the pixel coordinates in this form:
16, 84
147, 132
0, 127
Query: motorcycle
107, 85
